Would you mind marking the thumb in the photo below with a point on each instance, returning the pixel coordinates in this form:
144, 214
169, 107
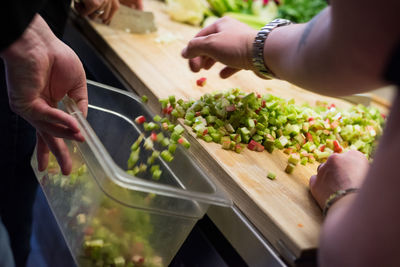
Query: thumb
80, 96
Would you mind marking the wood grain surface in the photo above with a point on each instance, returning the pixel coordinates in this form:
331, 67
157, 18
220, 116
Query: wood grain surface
282, 210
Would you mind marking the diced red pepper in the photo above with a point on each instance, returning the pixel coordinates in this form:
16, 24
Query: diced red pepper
205, 132
309, 137
336, 147
169, 109
140, 119
201, 82
258, 95
332, 106
153, 136
383, 115
322, 148
263, 104
255, 146
311, 119
180, 140
230, 108
198, 113
252, 145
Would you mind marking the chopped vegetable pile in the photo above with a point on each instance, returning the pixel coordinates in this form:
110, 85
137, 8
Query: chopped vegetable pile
236, 120
98, 230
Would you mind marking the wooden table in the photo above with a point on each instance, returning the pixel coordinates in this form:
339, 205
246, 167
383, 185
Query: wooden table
283, 210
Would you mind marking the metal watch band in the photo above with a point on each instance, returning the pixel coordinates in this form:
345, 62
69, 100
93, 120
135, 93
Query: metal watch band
258, 46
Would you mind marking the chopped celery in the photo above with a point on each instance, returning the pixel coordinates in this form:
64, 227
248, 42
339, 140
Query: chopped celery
271, 176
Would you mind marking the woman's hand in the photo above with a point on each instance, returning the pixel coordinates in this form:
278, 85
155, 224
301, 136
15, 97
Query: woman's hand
103, 9
340, 171
227, 41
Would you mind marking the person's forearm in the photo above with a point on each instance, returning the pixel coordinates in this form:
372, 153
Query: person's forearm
336, 53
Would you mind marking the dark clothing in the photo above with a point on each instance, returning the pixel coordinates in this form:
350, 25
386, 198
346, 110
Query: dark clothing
55, 13
15, 16
17, 138
392, 72
18, 184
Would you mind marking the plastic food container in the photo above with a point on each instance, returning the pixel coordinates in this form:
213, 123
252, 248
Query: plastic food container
108, 217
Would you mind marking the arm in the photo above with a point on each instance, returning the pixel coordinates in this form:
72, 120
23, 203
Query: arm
343, 50
40, 71
362, 229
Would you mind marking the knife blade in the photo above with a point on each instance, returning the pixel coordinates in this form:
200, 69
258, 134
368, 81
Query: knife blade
134, 21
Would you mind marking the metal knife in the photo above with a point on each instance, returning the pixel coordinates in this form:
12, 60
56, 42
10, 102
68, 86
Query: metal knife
134, 21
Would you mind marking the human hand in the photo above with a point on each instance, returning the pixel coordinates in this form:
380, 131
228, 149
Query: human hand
40, 71
340, 171
135, 4
227, 41
103, 9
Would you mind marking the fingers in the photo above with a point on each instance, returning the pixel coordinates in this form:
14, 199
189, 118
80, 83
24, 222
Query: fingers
139, 4
208, 30
97, 9
312, 181
41, 112
59, 149
319, 166
104, 17
79, 94
42, 153
209, 62
198, 46
53, 121
89, 7
227, 72
113, 9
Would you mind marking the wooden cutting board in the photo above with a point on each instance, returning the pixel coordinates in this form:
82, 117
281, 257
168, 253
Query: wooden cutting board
283, 210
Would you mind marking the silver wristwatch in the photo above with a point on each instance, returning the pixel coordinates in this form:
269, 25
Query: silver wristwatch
258, 46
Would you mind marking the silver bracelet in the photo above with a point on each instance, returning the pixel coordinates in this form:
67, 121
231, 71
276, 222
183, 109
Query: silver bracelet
258, 46
335, 197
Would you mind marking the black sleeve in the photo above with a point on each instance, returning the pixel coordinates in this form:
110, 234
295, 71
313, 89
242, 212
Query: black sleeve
15, 16
392, 72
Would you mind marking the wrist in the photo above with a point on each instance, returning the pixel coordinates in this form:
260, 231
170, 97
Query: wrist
258, 59
37, 37
336, 197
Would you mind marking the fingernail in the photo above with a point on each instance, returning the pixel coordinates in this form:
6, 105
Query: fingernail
184, 51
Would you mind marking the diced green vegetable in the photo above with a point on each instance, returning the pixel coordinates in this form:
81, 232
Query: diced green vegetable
167, 156
271, 176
